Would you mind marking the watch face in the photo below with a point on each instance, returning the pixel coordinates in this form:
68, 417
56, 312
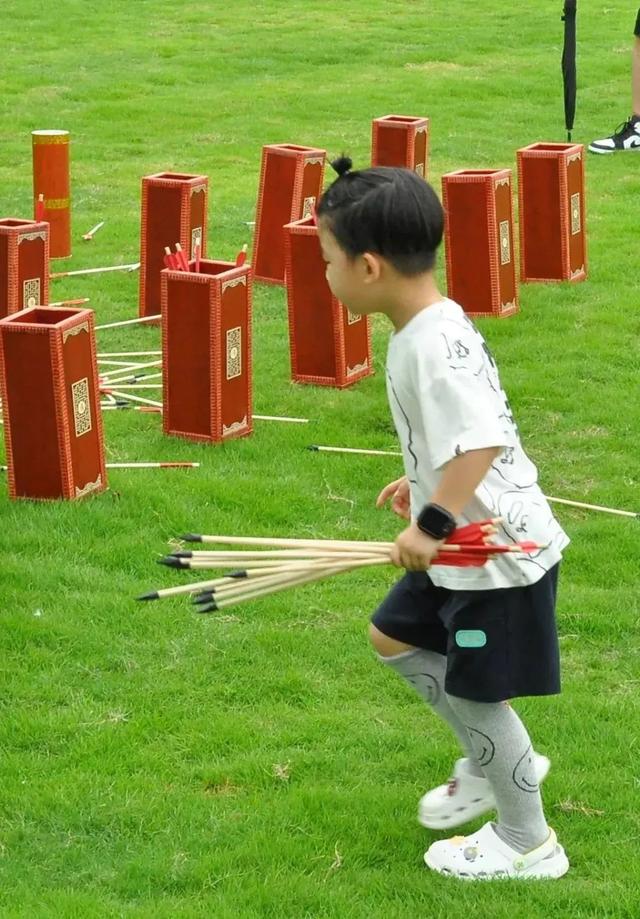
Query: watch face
436, 521
449, 528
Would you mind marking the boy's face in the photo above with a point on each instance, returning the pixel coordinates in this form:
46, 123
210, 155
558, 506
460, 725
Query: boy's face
349, 278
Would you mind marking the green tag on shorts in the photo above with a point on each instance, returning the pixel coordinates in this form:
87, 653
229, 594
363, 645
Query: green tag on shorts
471, 638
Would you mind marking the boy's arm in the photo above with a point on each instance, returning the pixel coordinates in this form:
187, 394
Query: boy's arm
461, 477
413, 549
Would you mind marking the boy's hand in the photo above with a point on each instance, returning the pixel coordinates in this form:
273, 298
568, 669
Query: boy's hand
414, 550
398, 491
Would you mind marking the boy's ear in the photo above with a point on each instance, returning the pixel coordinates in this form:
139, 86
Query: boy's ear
372, 266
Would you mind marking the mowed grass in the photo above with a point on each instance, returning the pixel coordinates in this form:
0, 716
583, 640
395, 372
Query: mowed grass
260, 762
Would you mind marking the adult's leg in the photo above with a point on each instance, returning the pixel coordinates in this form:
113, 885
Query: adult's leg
627, 135
635, 73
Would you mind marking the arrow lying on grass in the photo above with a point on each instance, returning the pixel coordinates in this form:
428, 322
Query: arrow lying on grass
588, 507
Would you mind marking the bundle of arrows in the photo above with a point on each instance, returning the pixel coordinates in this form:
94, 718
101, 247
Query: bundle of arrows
178, 260
275, 564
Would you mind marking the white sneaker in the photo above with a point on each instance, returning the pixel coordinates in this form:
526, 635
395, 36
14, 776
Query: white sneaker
484, 856
625, 137
464, 797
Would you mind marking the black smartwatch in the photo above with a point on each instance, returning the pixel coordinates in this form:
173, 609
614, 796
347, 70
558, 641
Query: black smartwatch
436, 521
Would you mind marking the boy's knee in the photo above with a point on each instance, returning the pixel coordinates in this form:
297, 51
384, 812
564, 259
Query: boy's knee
469, 708
385, 646
462, 707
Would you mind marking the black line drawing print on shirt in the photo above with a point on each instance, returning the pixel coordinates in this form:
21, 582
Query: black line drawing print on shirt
516, 517
409, 430
507, 472
487, 369
446, 342
460, 348
456, 349
515, 508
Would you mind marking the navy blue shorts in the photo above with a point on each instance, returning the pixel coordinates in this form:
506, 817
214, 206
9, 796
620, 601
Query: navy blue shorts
499, 644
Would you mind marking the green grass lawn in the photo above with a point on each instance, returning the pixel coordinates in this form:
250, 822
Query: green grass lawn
260, 762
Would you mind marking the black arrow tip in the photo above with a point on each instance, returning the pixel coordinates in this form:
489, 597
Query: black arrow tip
170, 562
205, 597
151, 596
208, 607
191, 537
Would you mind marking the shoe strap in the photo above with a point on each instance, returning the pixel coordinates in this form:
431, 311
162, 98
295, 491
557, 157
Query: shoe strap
527, 859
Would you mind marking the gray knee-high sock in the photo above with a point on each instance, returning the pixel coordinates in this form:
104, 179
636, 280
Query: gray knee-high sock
504, 751
425, 671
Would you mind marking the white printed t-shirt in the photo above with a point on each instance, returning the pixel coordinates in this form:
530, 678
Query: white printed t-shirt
446, 399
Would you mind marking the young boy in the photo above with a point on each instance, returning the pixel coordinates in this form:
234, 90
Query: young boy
467, 639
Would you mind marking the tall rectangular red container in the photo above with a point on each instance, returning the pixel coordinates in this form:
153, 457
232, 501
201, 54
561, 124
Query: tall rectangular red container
553, 242
206, 351
478, 208
24, 264
50, 395
401, 140
174, 209
291, 179
329, 346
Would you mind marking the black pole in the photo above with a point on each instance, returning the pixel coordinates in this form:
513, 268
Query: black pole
569, 64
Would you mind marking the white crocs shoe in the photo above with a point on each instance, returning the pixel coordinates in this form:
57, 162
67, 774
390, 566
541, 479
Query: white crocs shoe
484, 856
464, 798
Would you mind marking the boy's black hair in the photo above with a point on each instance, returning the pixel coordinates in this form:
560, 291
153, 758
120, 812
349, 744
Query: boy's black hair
386, 210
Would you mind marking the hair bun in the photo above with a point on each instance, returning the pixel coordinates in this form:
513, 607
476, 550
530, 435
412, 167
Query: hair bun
342, 165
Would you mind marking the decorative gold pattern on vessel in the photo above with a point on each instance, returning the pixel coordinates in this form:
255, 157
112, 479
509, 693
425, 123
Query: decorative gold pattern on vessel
31, 293
196, 189
28, 237
196, 240
419, 170
505, 243
56, 204
236, 426
308, 206
83, 327
89, 487
352, 318
234, 352
314, 161
81, 406
504, 181
357, 368
576, 222
50, 138
234, 282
